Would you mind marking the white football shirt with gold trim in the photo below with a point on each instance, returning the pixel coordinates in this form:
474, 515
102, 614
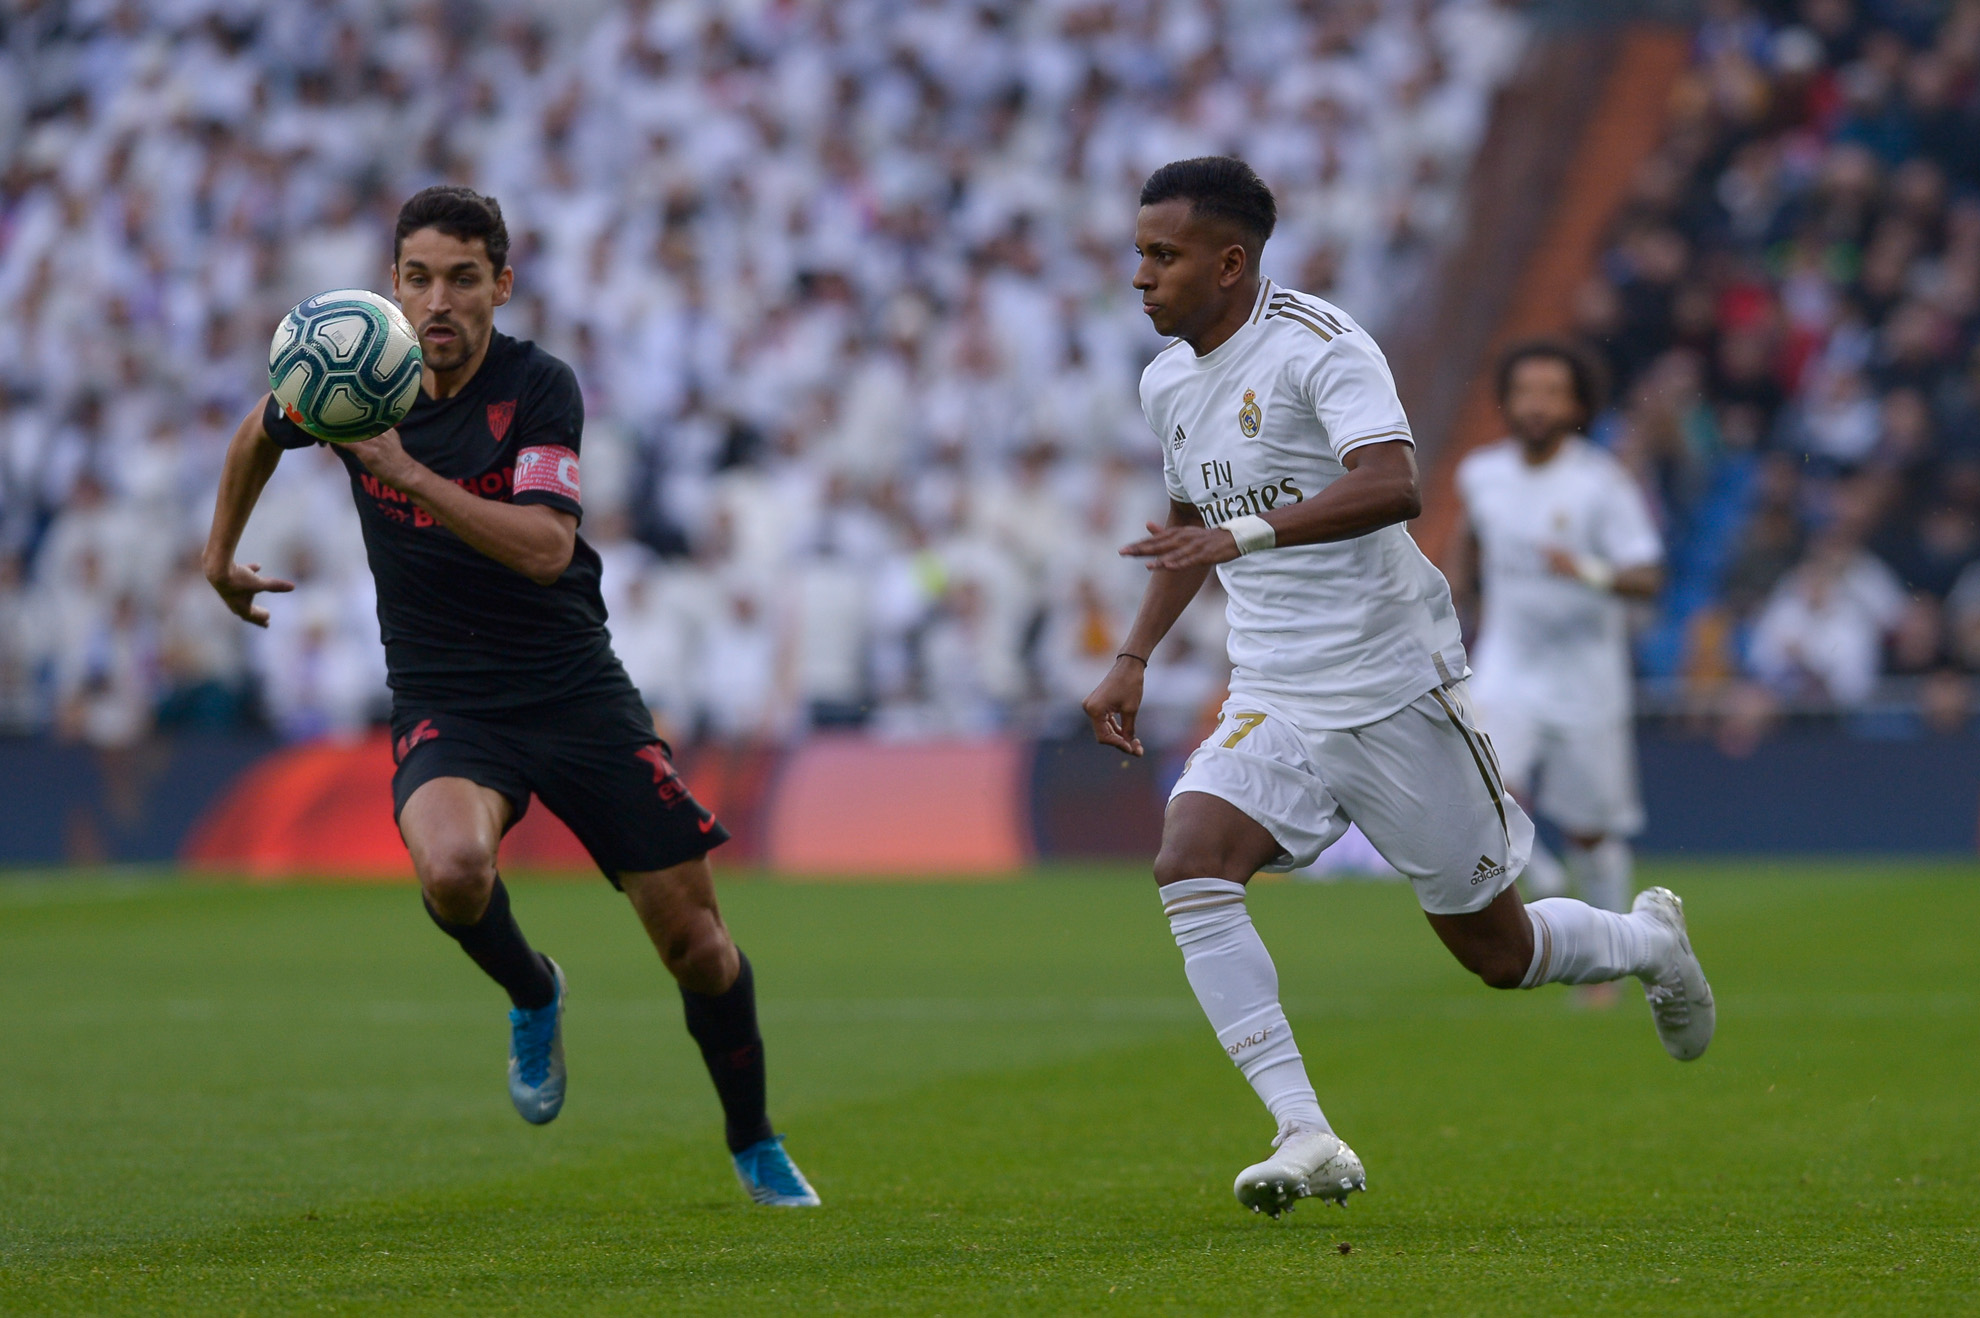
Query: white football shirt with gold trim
1339, 635
1554, 646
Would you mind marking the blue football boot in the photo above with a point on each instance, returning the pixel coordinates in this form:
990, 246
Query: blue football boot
771, 1178
536, 1056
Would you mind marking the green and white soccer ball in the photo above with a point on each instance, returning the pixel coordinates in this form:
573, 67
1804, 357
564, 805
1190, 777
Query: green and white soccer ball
345, 365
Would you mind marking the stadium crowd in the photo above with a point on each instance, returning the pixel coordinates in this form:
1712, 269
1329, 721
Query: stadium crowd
845, 285
1791, 309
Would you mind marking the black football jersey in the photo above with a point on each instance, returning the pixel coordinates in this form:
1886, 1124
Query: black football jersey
462, 632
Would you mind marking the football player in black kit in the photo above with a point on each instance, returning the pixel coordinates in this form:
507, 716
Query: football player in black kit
503, 678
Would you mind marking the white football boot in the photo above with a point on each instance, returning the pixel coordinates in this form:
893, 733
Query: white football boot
1308, 1163
1680, 999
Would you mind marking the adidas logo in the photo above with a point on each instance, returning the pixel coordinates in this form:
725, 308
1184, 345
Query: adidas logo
1179, 440
1485, 870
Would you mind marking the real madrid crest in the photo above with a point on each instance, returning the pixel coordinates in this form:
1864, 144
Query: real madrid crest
1249, 417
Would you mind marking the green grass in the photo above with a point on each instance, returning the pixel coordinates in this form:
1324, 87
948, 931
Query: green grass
227, 1099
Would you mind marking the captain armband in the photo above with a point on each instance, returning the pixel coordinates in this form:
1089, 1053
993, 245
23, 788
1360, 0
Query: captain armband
1252, 533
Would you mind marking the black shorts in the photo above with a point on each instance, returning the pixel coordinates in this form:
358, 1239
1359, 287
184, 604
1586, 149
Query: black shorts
595, 763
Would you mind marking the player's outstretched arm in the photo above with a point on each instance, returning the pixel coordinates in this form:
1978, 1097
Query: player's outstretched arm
251, 459
1379, 489
1115, 702
532, 539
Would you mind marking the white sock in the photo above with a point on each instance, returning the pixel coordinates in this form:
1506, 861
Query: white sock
1238, 986
1615, 875
1544, 876
1575, 943
1602, 873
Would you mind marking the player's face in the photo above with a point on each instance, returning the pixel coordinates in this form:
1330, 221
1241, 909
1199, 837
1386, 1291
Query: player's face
449, 289
1188, 265
1541, 404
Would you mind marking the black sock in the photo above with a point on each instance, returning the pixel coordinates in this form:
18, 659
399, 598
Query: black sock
724, 1024
500, 949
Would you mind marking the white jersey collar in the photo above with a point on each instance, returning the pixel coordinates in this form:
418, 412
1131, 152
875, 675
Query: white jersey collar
1224, 351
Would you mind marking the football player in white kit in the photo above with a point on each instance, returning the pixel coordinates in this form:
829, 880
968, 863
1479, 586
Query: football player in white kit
1560, 537
1291, 470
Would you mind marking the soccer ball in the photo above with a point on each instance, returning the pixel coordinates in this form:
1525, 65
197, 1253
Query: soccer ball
345, 365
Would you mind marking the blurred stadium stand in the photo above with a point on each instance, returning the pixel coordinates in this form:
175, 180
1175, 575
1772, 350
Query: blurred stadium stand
846, 289
1788, 301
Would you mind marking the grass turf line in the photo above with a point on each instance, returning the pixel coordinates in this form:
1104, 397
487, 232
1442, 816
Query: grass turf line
228, 1098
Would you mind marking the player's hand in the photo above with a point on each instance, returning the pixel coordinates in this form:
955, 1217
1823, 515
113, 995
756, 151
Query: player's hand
1561, 563
238, 585
1113, 705
1174, 547
386, 458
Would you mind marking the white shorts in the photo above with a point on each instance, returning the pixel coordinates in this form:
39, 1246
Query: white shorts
1586, 773
1422, 784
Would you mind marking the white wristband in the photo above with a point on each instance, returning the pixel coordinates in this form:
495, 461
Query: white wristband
1252, 533
1594, 572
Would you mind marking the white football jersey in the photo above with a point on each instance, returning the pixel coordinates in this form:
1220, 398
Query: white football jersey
1554, 645
1339, 635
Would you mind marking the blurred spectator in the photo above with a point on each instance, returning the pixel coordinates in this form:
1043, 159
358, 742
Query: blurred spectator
1822, 631
1079, 644
970, 671
742, 688
322, 675
20, 637
105, 688
202, 654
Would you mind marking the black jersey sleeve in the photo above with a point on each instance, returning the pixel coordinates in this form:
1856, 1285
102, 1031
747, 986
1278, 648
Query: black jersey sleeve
286, 433
550, 429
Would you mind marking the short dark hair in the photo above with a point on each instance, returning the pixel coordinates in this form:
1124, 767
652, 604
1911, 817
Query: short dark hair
459, 213
1221, 187
1591, 378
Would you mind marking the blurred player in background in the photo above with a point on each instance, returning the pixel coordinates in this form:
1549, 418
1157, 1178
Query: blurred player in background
1291, 469
1561, 539
503, 678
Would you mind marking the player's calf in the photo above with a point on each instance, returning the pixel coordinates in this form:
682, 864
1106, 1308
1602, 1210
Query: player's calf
718, 997
1501, 969
1575, 943
452, 836
677, 909
1495, 944
495, 943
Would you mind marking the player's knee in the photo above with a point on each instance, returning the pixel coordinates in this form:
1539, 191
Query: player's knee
457, 875
1179, 860
699, 957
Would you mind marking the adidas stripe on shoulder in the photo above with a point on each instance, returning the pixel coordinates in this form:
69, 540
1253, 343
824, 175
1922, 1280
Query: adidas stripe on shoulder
1290, 306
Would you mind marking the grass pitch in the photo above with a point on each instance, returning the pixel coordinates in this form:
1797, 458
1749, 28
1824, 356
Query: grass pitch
223, 1098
